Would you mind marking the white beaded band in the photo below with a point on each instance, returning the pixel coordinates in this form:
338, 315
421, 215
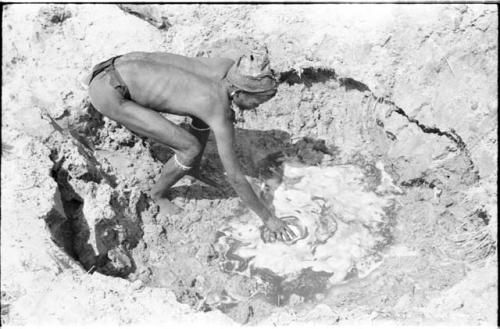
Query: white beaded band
199, 129
180, 165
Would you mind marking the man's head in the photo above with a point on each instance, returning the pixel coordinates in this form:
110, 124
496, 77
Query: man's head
254, 63
252, 80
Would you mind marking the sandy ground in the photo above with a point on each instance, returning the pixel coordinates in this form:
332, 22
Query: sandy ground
402, 96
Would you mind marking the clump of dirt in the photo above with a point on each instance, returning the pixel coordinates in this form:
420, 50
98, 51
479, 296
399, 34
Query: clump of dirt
54, 16
382, 148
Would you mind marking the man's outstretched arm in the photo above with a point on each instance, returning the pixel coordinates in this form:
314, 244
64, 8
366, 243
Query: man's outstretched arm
224, 135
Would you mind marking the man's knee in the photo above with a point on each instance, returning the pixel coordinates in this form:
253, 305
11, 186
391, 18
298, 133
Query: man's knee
189, 154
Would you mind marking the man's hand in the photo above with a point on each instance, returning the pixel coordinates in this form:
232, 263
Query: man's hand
276, 229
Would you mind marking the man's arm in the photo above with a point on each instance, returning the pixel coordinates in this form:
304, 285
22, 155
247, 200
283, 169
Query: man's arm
224, 135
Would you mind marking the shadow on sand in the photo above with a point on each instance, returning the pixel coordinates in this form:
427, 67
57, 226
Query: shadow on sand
261, 154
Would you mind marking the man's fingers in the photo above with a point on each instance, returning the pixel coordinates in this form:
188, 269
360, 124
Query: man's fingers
290, 232
283, 234
286, 237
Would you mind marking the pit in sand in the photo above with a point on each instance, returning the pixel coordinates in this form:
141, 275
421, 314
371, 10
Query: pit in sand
342, 216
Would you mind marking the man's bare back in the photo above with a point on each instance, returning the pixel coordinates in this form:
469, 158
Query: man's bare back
132, 89
175, 84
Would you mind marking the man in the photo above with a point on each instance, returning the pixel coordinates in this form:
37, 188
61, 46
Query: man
133, 88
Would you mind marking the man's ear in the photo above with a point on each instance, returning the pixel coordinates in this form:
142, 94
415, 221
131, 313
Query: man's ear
237, 93
234, 93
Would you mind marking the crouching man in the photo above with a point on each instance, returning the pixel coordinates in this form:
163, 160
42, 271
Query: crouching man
134, 88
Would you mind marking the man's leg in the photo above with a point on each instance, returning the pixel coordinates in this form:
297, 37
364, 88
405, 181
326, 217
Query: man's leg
201, 131
185, 146
151, 124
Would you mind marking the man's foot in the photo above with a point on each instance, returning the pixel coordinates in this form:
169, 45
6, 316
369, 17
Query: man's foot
167, 207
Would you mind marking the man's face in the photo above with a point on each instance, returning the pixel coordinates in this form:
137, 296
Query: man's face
247, 101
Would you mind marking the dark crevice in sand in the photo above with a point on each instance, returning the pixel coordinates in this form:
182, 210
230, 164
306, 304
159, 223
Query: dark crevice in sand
310, 76
452, 134
350, 83
62, 223
307, 76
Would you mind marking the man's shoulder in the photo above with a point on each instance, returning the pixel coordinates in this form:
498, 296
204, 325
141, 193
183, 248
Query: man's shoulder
217, 61
217, 95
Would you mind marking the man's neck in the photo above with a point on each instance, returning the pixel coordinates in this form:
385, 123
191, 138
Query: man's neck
230, 89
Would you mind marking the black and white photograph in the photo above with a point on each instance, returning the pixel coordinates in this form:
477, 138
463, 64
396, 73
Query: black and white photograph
249, 164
